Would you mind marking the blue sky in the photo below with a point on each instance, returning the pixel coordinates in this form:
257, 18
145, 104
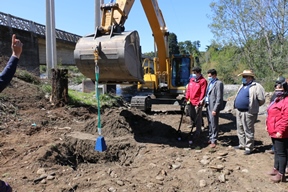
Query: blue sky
186, 18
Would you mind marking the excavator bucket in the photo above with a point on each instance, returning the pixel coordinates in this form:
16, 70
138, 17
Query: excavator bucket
119, 57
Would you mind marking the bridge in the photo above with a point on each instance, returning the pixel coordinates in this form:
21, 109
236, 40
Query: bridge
33, 37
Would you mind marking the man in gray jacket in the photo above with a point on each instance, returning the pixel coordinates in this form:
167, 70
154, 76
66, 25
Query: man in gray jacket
214, 102
250, 96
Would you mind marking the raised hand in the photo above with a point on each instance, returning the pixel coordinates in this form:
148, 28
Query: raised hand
16, 46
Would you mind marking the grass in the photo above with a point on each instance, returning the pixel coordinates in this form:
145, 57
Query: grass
76, 98
27, 77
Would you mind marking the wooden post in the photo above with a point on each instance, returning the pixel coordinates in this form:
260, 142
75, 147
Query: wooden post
59, 87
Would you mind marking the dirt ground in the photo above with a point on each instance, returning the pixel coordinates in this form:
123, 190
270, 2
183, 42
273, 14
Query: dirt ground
44, 148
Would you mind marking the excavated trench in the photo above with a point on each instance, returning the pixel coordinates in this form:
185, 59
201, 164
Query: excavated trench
125, 132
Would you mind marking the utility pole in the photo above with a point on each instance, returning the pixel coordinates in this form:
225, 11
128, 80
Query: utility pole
98, 12
51, 54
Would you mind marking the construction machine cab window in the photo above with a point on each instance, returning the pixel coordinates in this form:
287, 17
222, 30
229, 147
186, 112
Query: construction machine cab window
180, 71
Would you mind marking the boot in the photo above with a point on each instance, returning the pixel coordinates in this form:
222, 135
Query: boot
273, 172
278, 178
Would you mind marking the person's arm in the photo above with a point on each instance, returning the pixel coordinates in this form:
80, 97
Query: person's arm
203, 90
282, 125
260, 94
10, 69
219, 96
187, 95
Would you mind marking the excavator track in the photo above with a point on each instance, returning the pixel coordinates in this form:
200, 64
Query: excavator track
141, 102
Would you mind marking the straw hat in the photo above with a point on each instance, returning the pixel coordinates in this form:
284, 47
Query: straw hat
247, 73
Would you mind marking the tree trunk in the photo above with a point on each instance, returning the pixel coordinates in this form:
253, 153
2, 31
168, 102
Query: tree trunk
59, 87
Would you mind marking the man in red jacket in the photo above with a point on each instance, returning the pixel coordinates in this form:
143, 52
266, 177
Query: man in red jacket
195, 94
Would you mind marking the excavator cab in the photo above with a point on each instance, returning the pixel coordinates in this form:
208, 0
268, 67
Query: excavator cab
181, 67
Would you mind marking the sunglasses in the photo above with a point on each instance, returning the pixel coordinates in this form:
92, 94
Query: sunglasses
245, 76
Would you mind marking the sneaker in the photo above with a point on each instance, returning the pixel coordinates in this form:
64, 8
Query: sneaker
239, 147
212, 145
247, 152
189, 126
273, 172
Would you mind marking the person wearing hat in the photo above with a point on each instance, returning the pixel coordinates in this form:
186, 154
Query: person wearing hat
250, 96
195, 94
277, 128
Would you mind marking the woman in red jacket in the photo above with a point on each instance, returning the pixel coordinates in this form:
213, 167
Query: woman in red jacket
277, 127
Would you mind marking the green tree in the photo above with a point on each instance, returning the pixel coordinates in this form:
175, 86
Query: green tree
150, 54
258, 28
191, 48
173, 44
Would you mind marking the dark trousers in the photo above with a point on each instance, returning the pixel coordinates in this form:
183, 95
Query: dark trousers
280, 154
195, 114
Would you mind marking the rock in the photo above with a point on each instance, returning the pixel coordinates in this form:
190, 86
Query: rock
222, 153
237, 168
50, 177
226, 172
43, 181
176, 166
160, 178
245, 171
198, 151
120, 183
113, 174
163, 172
206, 157
40, 178
218, 167
41, 171
222, 178
202, 183
204, 162
112, 189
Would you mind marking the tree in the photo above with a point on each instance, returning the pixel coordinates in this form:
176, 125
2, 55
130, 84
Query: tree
150, 54
258, 28
173, 44
187, 47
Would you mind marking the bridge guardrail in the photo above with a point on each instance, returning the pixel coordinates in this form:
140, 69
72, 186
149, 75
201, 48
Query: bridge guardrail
26, 25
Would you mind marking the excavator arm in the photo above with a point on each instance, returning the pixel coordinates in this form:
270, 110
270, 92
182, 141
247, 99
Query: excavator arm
159, 30
114, 16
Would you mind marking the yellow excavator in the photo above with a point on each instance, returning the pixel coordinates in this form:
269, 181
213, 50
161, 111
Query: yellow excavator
161, 80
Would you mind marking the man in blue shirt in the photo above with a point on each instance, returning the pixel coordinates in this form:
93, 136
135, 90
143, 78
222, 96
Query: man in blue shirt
250, 96
7, 74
